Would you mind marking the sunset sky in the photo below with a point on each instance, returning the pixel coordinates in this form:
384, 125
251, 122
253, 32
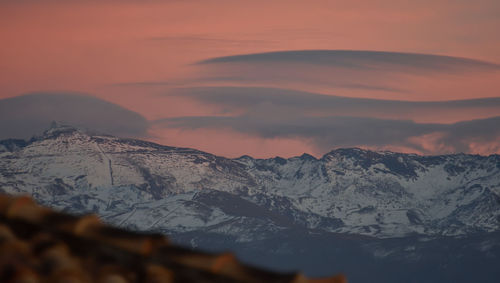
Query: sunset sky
262, 78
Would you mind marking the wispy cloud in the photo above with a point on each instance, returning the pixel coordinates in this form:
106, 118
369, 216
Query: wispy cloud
326, 133
200, 39
269, 102
359, 73
328, 122
145, 84
361, 59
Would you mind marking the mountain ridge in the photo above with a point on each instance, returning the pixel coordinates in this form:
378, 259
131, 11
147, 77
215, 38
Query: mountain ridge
353, 201
362, 184
57, 128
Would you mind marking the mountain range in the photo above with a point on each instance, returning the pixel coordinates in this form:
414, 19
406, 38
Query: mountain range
399, 217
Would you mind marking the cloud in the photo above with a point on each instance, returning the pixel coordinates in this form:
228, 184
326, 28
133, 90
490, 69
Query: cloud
198, 39
269, 102
361, 59
144, 84
30, 114
328, 122
463, 134
357, 73
326, 133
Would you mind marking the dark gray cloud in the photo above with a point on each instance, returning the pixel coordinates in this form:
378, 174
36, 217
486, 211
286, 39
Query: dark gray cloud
366, 73
482, 131
327, 133
339, 130
271, 101
360, 59
24, 116
333, 121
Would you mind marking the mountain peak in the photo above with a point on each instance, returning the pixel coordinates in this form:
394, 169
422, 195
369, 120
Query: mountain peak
244, 158
360, 152
351, 151
57, 128
306, 156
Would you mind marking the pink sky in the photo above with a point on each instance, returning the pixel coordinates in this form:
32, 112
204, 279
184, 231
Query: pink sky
133, 53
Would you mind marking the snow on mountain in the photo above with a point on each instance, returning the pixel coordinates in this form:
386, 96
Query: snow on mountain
146, 186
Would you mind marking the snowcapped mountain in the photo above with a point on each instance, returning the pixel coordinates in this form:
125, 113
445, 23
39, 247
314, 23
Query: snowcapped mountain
187, 193
148, 186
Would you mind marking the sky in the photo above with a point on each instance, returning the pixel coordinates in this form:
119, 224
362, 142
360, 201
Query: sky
259, 78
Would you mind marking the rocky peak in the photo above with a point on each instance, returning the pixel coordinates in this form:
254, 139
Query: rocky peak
57, 129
